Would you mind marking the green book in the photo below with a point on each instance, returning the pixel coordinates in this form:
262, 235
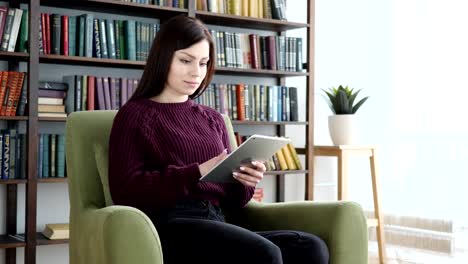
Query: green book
130, 39
46, 157
53, 157
122, 43
56, 32
117, 40
110, 38
81, 36
72, 35
84, 91
61, 156
22, 45
103, 38
88, 45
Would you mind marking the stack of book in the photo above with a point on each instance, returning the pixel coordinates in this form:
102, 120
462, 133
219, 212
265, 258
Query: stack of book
56, 231
51, 97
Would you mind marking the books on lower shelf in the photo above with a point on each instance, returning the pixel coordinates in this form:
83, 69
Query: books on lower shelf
285, 159
57, 231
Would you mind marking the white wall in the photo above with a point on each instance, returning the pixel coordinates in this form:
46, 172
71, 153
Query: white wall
410, 57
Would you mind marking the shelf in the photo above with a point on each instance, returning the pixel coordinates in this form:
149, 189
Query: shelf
14, 56
52, 180
285, 172
13, 181
258, 72
87, 61
267, 123
41, 240
97, 62
9, 241
117, 7
17, 118
247, 22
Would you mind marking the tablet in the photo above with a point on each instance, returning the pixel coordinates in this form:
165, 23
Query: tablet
256, 147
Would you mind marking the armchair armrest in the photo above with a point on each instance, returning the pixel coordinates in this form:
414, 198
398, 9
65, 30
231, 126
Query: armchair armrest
342, 225
115, 234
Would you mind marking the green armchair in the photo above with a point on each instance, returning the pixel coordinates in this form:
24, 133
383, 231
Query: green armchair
103, 233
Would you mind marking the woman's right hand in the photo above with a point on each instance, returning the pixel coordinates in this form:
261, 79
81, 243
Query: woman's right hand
207, 165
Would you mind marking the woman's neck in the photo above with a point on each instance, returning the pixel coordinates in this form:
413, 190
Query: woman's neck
166, 98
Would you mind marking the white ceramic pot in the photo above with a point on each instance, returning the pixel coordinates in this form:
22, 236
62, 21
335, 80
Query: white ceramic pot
342, 129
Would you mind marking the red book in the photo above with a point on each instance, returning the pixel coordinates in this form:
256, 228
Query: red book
13, 78
271, 48
240, 100
91, 90
253, 40
3, 87
44, 33
64, 40
16, 92
47, 28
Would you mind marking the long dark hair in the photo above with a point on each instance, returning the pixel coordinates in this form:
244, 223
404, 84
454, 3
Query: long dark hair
179, 32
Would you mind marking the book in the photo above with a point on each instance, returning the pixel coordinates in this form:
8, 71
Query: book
57, 231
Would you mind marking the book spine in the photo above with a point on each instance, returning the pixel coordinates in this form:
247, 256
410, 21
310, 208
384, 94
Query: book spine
7, 30
15, 29
65, 39
72, 35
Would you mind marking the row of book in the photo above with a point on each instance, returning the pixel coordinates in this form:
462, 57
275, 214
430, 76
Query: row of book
285, 159
167, 3
87, 36
254, 102
13, 93
252, 51
51, 156
271, 9
13, 29
83, 92
12, 154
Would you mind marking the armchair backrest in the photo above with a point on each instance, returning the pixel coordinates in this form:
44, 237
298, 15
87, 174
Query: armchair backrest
87, 142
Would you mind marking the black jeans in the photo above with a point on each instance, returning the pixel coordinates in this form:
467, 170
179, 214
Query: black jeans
195, 232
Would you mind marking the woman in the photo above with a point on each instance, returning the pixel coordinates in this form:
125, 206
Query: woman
162, 142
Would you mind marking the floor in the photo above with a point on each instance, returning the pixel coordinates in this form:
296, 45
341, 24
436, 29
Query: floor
401, 255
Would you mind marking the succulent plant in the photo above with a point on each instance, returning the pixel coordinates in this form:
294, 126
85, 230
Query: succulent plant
341, 100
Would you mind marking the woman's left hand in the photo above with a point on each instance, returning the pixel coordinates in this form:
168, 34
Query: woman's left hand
250, 177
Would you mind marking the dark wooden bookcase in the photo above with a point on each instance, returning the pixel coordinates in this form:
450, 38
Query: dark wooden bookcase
30, 239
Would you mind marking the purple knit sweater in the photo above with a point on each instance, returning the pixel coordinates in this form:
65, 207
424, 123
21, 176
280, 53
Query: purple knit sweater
154, 153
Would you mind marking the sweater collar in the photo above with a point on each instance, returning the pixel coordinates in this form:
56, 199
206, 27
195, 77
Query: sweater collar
169, 106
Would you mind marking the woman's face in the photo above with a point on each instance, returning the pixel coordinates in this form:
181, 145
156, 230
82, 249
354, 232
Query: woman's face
188, 69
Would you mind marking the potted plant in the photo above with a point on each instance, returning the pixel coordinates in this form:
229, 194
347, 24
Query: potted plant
342, 103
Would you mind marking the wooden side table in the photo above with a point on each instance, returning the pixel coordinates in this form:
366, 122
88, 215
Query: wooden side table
343, 152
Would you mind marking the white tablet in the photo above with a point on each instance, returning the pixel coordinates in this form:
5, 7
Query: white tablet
256, 147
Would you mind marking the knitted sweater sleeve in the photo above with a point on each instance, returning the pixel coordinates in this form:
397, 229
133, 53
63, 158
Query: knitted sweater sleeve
130, 182
237, 195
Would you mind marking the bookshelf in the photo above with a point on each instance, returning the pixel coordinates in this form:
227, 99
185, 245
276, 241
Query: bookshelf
31, 238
